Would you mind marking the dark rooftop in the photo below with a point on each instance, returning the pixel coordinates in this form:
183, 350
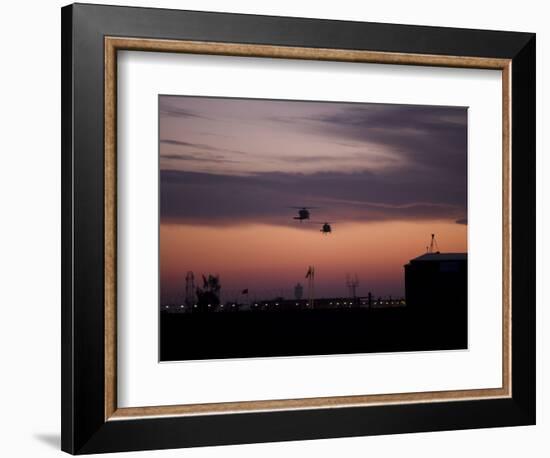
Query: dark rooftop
442, 257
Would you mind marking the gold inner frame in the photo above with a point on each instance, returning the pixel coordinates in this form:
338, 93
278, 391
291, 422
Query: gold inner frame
114, 44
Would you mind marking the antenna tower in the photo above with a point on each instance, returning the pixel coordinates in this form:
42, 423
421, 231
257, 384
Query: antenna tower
352, 284
434, 247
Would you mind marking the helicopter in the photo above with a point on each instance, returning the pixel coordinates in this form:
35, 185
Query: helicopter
326, 227
303, 213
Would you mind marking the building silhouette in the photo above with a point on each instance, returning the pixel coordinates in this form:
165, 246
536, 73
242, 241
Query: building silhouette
437, 281
298, 291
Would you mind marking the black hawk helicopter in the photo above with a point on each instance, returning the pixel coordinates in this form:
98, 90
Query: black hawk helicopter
326, 227
303, 213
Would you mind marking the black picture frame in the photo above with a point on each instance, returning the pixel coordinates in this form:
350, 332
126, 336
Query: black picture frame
84, 426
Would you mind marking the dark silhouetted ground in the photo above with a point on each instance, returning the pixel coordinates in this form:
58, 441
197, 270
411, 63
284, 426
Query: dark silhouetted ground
309, 332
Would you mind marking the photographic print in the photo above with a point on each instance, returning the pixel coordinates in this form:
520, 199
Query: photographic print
292, 228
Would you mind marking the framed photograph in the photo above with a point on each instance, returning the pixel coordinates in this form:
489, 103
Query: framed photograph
282, 228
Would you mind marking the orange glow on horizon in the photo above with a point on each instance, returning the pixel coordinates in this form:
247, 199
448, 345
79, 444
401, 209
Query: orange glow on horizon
267, 259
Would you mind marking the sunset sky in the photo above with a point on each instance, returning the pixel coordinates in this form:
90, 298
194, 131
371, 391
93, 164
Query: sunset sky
386, 176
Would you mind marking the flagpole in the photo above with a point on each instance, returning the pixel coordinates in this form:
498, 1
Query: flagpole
312, 287
310, 275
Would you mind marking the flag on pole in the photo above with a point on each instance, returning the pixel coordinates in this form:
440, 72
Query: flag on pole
244, 291
309, 272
